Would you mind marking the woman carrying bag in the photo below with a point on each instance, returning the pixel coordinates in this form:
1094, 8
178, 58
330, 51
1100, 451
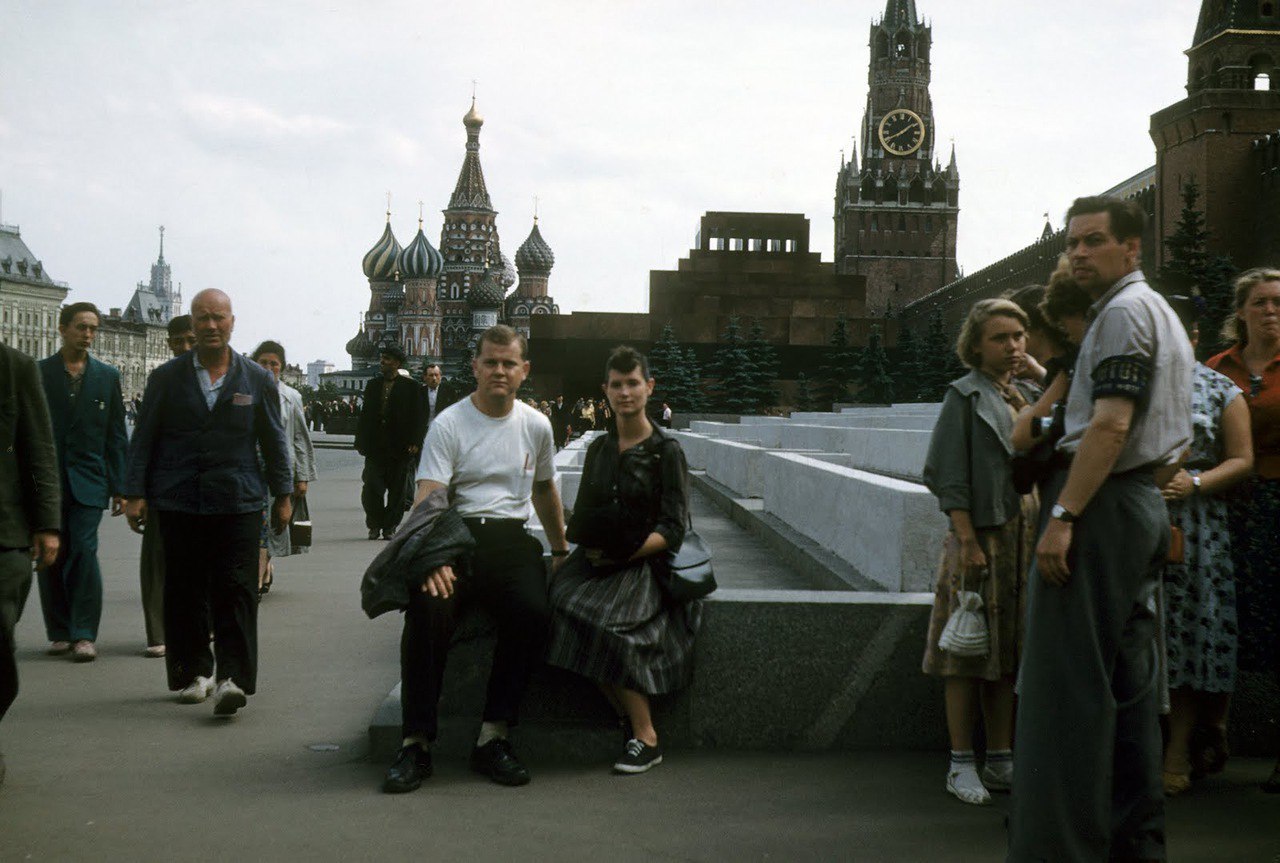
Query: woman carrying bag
613, 621
983, 573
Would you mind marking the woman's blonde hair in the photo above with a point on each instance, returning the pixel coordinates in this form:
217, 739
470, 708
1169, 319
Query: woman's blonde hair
971, 329
1233, 329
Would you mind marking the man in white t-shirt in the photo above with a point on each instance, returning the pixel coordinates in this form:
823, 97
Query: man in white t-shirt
496, 455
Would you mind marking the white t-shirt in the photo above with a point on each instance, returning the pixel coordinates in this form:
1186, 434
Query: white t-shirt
491, 463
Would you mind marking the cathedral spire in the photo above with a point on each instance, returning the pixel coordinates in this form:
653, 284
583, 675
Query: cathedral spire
161, 259
951, 167
900, 13
470, 192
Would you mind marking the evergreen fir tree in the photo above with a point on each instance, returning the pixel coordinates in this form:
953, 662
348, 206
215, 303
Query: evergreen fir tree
906, 367
1185, 247
695, 399
941, 365
734, 371
804, 394
666, 364
841, 364
875, 384
764, 368
464, 381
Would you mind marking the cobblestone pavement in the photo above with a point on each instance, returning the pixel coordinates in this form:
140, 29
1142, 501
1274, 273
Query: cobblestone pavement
103, 765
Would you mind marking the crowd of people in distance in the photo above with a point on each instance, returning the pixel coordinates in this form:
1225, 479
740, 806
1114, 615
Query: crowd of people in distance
1113, 558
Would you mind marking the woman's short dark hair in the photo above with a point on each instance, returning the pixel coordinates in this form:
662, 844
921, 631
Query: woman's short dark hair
69, 313
626, 359
269, 347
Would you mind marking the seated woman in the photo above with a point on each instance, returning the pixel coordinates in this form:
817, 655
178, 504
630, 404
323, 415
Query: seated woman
989, 546
611, 621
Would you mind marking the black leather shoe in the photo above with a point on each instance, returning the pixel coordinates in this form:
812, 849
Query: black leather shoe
413, 765
373, 533
497, 760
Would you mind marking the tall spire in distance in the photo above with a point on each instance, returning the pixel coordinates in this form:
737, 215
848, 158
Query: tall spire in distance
470, 192
161, 245
900, 13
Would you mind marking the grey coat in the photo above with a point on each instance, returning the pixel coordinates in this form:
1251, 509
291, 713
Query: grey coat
968, 466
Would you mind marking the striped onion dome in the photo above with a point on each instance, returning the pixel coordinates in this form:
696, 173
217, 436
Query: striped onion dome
420, 260
380, 261
534, 255
489, 292
508, 271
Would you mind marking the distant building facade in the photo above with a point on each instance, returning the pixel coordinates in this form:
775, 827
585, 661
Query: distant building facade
753, 266
29, 299
434, 302
896, 210
315, 369
1225, 136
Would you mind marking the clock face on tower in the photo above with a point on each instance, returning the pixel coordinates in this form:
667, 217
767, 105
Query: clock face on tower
901, 132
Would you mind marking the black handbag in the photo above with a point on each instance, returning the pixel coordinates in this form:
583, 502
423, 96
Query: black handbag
687, 574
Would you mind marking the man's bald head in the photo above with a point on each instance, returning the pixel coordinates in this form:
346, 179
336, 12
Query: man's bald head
211, 297
211, 314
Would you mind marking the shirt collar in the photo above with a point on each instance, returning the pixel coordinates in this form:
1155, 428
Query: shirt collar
1124, 282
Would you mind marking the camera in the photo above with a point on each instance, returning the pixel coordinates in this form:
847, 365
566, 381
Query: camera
1052, 427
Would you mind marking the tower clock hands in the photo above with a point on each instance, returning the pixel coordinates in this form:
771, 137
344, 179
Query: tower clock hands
900, 133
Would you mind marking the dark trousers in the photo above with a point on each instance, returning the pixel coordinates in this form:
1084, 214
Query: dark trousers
151, 576
211, 574
71, 589
15, 584
383, 493
505, 577
1086, 782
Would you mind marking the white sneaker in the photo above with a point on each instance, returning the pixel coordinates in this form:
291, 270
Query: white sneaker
967, 787
200, 689
228, 699
998, 778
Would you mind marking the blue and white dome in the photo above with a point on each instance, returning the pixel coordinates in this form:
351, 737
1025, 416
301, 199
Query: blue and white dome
420, 259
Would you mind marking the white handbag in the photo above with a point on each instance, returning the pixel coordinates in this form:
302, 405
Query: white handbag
966, 631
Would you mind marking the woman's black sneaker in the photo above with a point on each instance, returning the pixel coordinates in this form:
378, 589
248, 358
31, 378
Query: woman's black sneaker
637, 757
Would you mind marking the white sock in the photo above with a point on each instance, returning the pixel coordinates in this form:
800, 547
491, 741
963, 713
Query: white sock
420, 739
491, 731
962, 778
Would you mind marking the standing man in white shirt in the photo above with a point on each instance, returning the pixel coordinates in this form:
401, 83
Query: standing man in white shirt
497, 457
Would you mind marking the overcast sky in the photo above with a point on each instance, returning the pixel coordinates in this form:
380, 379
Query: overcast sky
265, 136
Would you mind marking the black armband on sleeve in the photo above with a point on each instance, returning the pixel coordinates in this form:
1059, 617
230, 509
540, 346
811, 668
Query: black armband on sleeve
1126, 376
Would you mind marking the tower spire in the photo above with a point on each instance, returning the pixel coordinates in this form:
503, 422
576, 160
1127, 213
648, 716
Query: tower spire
161, 260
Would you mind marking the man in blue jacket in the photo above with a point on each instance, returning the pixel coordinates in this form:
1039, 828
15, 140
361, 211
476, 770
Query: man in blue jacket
87, 409
193, 466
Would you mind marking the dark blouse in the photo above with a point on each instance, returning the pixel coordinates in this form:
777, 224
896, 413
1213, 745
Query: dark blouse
626, 496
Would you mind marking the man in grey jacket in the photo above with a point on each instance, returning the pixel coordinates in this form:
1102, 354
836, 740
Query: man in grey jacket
1087, 778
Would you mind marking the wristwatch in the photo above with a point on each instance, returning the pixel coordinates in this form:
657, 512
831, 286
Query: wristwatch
1195, 481
1061, 513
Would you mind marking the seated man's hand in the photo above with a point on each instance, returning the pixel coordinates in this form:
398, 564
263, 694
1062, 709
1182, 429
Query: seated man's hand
440, 582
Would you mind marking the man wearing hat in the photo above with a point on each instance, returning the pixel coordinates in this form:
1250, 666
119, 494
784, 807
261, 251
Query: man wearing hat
385, 436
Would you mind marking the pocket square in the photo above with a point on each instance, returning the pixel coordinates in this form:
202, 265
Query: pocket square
242, 399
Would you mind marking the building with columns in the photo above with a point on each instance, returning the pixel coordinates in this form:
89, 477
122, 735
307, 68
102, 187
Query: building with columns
30, 299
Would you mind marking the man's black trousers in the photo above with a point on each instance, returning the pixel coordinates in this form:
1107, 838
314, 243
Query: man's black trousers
211, 577
382, 495
505, 577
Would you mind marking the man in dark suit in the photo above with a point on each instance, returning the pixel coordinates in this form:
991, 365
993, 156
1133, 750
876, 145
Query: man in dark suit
87, 409
436, 395
388, 436
30, 501
193, 466
560, 420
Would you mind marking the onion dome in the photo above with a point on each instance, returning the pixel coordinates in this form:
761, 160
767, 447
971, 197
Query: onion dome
534, 255
380, 261
361, 345
489, 292
509, 276
473, 120
420, 259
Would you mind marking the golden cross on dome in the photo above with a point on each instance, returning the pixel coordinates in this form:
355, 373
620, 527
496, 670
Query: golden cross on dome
388, 207
420, 205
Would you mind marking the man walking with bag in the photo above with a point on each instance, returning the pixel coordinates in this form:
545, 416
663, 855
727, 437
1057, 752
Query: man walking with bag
496, 455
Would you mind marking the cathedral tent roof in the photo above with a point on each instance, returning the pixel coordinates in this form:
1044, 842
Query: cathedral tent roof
470, 192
